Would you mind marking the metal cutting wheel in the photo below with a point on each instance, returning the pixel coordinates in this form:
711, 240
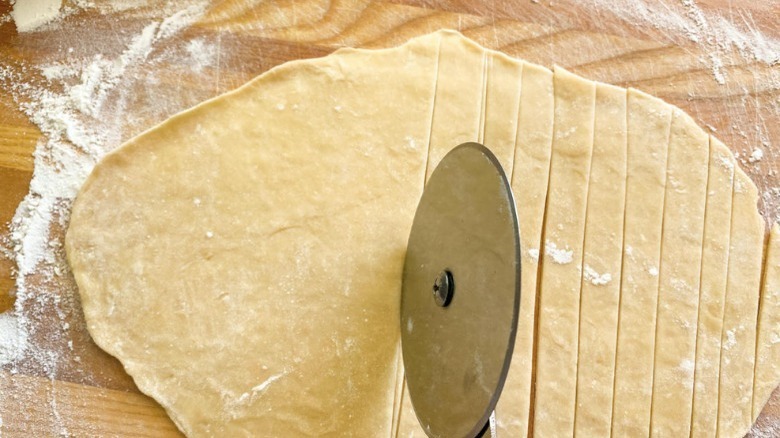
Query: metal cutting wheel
461, 293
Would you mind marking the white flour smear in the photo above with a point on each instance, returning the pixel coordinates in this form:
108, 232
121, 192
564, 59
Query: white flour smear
78, 104
717, 34
31, 14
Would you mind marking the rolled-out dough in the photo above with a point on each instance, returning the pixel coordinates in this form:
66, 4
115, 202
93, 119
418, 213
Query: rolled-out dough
243, 259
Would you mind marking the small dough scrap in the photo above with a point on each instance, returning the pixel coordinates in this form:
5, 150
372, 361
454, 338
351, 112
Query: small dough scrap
738, 338
768, 347
649, 120
602, 261
715, 263
680, 272
564, 228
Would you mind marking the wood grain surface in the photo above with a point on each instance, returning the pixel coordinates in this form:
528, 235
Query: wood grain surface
680, 54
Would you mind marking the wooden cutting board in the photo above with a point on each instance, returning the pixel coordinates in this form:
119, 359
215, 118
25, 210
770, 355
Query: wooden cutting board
711, 58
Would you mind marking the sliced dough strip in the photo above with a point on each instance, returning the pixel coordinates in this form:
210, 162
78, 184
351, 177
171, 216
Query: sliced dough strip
768, 347
530, 178
738, 337
487, 62
564, 230
712, 293
459, 96
403, 412
436, 76
502, 108
601, 264
679, 277
649, 121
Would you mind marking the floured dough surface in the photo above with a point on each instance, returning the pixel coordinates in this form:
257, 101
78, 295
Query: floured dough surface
243, 259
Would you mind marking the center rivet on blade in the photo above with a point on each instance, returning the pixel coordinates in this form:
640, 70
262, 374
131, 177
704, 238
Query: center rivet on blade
443, 287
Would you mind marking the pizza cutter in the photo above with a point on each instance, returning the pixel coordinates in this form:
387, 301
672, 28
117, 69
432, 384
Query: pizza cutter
461, 294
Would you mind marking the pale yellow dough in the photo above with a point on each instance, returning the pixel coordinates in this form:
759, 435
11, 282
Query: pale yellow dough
243, 259
602, 259
715, 261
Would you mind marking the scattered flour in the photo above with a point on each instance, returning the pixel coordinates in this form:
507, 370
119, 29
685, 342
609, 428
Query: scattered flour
756, 156
731, 339
595, 278
726, 162
718, 35
13, 338
559, 255
687, 367
534, 254
256, 390
29, 15
78, 105
201, 53
263, 386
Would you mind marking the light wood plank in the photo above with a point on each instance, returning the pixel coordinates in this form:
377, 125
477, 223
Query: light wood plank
36, 406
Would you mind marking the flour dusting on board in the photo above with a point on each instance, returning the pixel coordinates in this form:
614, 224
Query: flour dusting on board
78, 104
32, 14
719, 34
